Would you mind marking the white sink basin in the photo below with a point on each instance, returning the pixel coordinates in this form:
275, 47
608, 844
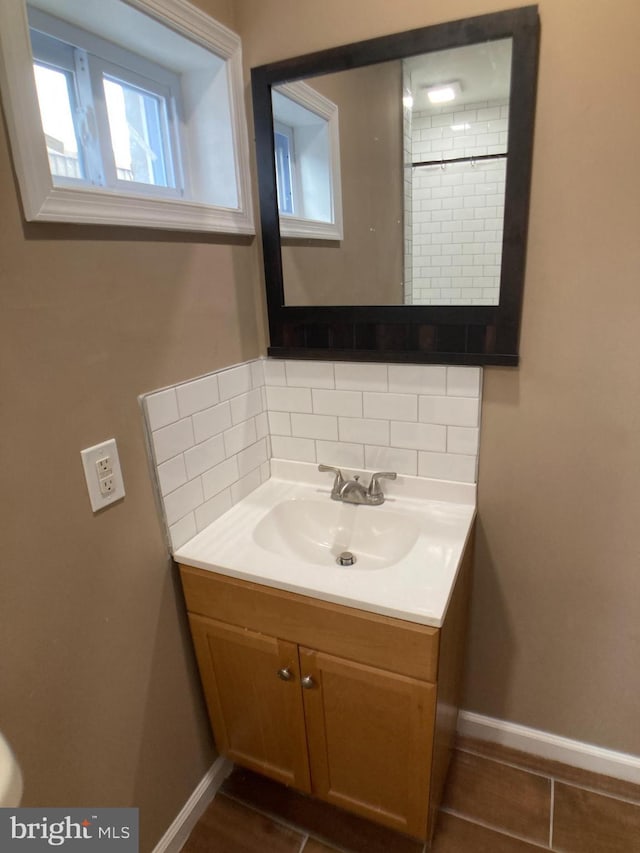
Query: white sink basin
318, 531
10, 777
288, 533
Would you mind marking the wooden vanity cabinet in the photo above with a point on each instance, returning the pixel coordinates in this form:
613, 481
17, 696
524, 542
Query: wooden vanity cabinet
352, 707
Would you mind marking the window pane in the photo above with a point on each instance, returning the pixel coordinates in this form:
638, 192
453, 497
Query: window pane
284, 183
54, 89
137, 122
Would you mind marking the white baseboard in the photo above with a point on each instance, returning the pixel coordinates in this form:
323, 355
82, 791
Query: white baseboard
175, 837
586, 756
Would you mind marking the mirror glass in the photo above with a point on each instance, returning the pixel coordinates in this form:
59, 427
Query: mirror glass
422, 148
431, 137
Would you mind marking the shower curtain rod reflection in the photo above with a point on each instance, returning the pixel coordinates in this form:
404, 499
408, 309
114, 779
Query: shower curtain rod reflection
476, 158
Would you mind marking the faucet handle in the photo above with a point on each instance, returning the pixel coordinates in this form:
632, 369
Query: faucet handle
375, 489
339, 481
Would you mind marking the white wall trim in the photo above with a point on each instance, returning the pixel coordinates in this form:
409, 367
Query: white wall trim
586, 756
175, 837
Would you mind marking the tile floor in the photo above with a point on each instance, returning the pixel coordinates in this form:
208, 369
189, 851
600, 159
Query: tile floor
497, 800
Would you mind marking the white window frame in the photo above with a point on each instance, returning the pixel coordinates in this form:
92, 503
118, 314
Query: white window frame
44, 201
88, 57
301, 226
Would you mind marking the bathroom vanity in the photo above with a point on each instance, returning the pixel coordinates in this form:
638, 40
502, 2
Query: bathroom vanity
309, 677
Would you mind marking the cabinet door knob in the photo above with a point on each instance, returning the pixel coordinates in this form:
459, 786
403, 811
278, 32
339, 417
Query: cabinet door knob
308, 682
285, 674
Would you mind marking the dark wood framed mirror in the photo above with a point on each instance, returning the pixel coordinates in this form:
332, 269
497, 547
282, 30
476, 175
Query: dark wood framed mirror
335, 315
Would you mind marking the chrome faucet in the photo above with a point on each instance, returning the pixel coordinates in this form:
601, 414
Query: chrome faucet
353, 492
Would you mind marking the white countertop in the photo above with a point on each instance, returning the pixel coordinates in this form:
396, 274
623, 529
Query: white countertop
416, 586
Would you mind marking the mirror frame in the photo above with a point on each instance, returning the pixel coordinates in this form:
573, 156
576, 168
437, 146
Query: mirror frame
412, 333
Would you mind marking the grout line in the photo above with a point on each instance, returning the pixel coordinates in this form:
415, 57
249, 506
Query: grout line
554, 777
493, 828
505, 763
270, 815
599, 792
551, 812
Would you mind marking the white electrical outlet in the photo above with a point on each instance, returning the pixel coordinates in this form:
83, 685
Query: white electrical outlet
102, 473
107, 485
103, 466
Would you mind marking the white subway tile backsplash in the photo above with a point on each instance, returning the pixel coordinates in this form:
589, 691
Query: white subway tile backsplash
274, 373
315, 426
363, 431
236, 380
246, 406
172, 474
203, 456
182, 531
262, 425
170, 440
279, 423
257, 373
347, 403
418, 436
281, 399
220, 477
162, 408
239, 437
296, 449
252, 457
211, 421
464, 381
351, 376
245, 485
340, 453
400, 407
197, 395
310, 374
447, 466
417, 379
463, 440
391, 459
213, 437
454, 411
183, 500
207, 512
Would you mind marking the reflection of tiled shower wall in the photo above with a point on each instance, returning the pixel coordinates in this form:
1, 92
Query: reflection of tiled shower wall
408, 191
458, 210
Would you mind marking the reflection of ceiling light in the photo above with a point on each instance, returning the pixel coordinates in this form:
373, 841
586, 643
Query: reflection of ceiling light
407, 101
458, 127
443, 92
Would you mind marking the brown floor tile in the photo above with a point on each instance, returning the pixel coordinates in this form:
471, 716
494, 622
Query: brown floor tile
503, 797
584, 822
324, 821
229, 827
313, 846
454, 835
555, 769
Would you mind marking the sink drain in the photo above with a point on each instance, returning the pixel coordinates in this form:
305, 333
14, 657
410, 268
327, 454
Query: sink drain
346, 559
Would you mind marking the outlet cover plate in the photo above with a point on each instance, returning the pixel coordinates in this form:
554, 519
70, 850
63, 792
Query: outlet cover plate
90, 456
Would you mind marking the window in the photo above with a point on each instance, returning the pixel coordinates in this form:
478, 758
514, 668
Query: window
82, 78
306, 146
283, 139
126, 113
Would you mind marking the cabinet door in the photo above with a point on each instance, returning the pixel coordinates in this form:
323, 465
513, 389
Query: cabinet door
370, 738
257, 716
